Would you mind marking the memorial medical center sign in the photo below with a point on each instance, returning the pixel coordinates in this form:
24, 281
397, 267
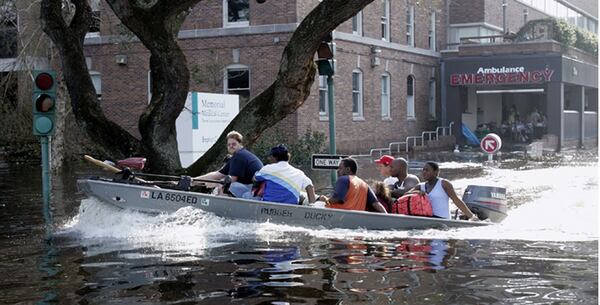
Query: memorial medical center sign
501, 76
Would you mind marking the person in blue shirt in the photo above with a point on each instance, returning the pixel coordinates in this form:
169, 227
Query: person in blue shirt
283, 182
241, 167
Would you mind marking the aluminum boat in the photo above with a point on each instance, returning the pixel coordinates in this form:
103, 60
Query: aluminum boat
153, 199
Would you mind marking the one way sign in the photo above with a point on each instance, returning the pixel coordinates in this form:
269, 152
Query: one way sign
321, 161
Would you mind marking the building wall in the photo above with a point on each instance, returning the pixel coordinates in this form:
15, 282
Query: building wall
354, 135
125, 86
590, 7
467, 11
514, 14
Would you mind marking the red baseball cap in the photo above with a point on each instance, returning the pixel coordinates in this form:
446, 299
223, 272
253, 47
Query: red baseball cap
385, 160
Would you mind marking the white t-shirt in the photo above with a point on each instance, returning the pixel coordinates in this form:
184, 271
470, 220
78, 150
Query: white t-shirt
390, 181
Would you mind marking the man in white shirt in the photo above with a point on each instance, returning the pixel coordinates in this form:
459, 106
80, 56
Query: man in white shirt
283, 182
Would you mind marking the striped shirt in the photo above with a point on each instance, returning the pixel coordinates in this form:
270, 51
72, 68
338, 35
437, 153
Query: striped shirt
283, 182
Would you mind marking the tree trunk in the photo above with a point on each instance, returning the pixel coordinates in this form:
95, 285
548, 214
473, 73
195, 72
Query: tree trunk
170, 75
157, 25
293, 83
68, 39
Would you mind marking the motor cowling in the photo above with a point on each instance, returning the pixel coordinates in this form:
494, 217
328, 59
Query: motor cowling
487, 202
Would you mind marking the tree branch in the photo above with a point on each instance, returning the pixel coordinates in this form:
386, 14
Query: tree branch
294, 79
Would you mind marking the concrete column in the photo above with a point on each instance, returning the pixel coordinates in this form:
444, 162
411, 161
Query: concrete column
554, 106
580, 96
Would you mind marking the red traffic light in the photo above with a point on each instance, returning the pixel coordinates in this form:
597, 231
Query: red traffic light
324, 52
44, 103
44, 81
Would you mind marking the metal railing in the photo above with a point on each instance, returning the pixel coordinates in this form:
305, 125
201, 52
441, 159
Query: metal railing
415, 140
431, 135
380, 150
397, 144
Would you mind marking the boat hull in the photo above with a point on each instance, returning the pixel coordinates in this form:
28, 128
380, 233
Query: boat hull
157, 200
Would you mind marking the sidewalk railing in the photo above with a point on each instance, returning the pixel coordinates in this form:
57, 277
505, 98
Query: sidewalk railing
410, 141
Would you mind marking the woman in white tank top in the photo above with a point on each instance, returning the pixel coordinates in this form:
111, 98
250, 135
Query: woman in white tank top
439, 190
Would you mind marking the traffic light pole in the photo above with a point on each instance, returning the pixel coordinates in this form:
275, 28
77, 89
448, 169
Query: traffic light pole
46, 182
331, 108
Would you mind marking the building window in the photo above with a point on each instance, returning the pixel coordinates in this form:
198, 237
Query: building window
410, 96
385, 21
385, 96
432, 98
357, 94
237, 81
236, 13
432, 31
97, 82
94, 30
323, 97
410, 25
357, 24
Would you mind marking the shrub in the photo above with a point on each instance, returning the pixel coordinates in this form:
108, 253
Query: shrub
301, 149
560, 31
586, 41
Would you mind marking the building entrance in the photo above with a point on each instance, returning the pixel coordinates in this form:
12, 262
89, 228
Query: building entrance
517, 115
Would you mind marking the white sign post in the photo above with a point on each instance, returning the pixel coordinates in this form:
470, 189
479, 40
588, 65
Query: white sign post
491, 144
202, 121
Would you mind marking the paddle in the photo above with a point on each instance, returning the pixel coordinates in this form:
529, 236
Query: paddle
117, 170
178, 177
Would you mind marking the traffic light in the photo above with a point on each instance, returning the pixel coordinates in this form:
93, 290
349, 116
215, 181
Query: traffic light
44, 102
325, 61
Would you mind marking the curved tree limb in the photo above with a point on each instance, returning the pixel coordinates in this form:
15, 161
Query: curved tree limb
169, 74
68, 39
293, 83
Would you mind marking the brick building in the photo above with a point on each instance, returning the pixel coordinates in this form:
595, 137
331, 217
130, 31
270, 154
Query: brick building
249, 50
389, 82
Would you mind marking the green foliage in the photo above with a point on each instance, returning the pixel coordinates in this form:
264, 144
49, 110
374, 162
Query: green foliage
586, 41
560, 31
564, 32
301, 149
16, 139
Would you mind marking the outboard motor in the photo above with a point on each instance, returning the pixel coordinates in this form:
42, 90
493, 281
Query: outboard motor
486, 202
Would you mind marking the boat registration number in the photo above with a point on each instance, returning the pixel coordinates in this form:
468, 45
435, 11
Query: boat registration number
182, 198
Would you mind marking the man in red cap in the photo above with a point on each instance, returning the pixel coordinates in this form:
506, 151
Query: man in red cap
383, 164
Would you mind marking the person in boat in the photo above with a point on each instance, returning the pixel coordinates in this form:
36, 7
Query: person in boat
405, 181
282, 182
241, 167
383, 194
439, 191
383, 165
351, 192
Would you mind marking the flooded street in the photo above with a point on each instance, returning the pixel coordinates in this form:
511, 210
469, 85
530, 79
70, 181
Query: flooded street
545, 251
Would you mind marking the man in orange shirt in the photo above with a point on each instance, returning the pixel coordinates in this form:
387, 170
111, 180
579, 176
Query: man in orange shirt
351, 192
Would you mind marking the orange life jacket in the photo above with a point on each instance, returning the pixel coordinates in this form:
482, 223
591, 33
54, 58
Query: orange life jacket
356, 197
413, 204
